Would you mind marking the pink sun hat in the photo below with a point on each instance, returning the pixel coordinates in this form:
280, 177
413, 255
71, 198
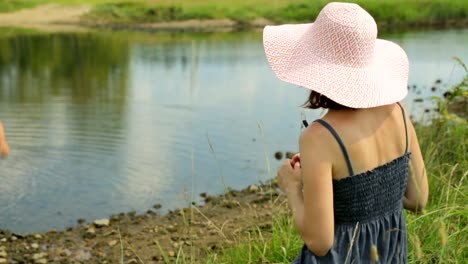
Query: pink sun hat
340, 57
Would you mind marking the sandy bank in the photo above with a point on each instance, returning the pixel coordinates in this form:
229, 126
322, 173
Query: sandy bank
189, 233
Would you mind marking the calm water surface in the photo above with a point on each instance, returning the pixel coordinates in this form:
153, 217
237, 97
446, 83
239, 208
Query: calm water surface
105, 122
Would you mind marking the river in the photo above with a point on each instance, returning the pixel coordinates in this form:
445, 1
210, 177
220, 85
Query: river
105, 122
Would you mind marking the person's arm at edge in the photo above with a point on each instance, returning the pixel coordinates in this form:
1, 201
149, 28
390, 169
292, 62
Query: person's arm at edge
417, 189
4, 148
313, 207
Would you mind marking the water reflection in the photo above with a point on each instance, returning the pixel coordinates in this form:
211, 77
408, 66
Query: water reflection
105, 122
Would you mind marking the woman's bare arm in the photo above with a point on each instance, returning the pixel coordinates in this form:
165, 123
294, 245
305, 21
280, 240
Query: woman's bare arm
417, 189
317, 226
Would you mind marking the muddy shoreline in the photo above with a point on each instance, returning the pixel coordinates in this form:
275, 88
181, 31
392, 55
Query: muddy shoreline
189, 233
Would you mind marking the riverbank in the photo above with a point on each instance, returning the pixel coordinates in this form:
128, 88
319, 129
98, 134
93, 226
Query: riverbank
210, 15
254, 225
191, 234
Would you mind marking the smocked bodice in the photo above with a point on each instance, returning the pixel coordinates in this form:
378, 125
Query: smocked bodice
371, 194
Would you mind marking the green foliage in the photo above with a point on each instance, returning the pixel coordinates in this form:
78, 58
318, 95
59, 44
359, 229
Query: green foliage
136, 12
384, 11
281, 246
391, 12
454, 105
12, 5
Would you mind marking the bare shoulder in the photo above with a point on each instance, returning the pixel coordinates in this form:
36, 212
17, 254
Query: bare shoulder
314, 132
316, 138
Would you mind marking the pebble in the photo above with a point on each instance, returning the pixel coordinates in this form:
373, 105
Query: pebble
3, 254
2, 260
278, 155
112, 243
35, 245
39, 256
3, 240
90, 233
41, 261
157, 258
91, 230
171, 253
171, 228
150, 212
37, 236
13, 238
253, 188
131, 213
101, 222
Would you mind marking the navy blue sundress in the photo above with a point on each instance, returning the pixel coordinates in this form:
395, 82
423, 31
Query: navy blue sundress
368, 212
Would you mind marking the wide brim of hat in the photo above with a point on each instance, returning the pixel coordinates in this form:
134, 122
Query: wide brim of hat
383, 81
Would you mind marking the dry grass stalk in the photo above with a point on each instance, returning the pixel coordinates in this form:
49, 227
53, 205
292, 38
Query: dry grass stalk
374, 253
443, 233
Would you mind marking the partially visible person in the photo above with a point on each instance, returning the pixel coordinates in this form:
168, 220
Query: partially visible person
4, 148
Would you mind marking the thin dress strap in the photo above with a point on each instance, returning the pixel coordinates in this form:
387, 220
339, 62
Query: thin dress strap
406, 127
340, 142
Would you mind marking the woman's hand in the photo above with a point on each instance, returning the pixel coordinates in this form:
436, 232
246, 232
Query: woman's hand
289, 176
295, 158
4, 149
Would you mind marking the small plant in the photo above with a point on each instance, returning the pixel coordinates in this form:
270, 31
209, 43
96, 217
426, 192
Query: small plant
454, 105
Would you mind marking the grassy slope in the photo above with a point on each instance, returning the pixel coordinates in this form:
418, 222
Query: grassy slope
388, 11
129, 11
439, 235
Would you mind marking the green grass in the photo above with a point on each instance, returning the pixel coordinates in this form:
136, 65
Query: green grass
438, 235
402, 11
389, 12
11, 5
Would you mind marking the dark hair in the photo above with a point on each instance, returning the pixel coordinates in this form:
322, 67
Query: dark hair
317, 100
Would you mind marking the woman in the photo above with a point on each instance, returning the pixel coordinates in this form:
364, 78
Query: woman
348, 186
4, 148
